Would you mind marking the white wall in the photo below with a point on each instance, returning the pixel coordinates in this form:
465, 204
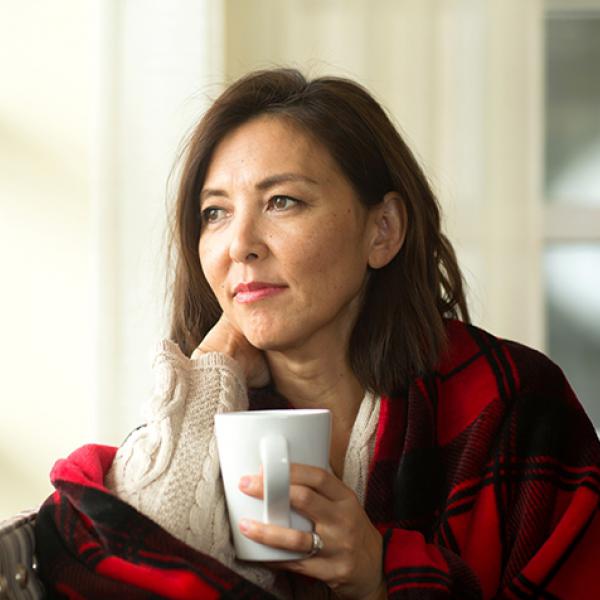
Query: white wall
159, 62
44, 230
94, 100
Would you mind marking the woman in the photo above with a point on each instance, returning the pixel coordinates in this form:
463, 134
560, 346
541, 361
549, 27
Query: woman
312, 272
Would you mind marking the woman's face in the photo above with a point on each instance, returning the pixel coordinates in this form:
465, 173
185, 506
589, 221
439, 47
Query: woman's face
285, 240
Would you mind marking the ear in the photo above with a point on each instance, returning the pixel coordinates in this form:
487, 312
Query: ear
389, 221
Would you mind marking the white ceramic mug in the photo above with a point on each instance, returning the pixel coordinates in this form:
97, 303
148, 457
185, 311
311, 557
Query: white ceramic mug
273, 439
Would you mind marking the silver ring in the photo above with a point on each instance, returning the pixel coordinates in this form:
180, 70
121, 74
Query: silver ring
317, 544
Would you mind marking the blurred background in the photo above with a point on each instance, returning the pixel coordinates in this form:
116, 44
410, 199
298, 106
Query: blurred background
500, 100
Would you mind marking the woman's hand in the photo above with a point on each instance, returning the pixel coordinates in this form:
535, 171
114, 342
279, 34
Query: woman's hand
226, 338
350, 562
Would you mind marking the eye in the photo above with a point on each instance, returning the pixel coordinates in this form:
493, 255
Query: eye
281, 203
212, 214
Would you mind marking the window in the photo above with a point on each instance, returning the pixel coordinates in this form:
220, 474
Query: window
572, 195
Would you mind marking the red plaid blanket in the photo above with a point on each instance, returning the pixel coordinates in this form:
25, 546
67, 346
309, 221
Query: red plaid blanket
485, 484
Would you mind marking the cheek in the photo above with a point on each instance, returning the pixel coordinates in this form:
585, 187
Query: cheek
209, 262
329, 258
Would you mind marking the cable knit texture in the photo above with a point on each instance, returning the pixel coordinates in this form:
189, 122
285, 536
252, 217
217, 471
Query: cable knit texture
168, 469
361, 446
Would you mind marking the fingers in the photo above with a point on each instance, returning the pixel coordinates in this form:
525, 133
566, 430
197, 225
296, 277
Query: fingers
276, 536
351, 557
312, 493
320, 480
302, 499
227, 338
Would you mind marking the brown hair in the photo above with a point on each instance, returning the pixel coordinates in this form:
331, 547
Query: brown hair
400, 330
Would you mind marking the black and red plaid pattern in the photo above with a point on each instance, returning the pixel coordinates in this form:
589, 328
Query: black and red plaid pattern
489, 486
91, 545
485, 484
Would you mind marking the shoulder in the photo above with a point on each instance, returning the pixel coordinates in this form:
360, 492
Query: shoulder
482, 376
513, 365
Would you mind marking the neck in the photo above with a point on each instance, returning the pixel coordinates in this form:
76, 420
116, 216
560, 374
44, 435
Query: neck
322, 380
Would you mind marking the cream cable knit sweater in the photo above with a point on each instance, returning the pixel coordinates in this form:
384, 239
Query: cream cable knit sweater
169, 469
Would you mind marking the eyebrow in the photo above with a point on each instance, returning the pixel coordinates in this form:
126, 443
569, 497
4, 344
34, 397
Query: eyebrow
263, 185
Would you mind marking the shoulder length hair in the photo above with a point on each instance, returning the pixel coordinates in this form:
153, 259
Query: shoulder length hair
400, 332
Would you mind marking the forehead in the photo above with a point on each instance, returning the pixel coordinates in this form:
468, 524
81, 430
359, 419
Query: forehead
268, 144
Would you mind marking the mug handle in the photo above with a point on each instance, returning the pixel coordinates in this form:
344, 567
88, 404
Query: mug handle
276, 480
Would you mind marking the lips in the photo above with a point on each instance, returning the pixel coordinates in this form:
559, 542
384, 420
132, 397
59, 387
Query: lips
256, 290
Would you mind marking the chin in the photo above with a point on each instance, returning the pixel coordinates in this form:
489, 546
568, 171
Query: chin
267, 343
270, 339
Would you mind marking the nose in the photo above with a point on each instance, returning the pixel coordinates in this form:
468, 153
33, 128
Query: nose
247, 239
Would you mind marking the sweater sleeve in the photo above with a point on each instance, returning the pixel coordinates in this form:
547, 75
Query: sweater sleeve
168, 469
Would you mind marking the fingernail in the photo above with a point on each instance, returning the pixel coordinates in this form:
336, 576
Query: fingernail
245, 482
245, 525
